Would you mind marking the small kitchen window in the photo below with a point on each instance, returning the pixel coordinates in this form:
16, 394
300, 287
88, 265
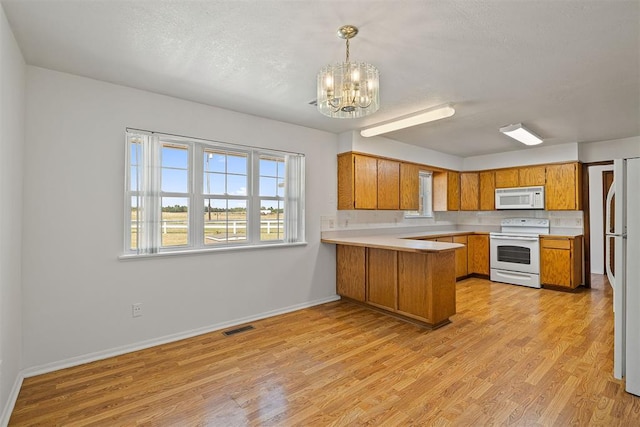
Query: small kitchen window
425, 207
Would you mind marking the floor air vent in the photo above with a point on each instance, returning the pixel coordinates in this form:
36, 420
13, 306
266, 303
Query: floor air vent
238, 330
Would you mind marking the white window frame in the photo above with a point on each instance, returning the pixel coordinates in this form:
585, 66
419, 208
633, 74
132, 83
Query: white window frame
293, 201
425, 196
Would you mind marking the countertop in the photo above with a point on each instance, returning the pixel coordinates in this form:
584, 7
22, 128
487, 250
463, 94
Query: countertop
401, 242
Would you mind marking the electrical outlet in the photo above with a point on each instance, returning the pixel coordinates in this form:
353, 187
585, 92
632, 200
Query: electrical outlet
136, 309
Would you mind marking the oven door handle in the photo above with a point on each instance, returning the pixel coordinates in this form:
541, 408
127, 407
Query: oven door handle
522, 239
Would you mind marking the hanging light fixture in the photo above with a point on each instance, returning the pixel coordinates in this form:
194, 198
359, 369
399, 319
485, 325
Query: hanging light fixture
348, 90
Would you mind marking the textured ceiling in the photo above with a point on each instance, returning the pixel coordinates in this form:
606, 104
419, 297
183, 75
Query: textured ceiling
567, 69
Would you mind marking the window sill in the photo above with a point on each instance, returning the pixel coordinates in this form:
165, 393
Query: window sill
209, 250
417, 216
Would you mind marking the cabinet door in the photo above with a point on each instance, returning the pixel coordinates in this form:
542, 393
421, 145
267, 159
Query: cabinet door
478, 254
409, 187
531, 176
345, 181
453, 191
388, 184
563, 187
507, 178
461, 256
413, 297
469, 191
487, 191
382, 277
350, 272
561, 261
365, 182
555, 267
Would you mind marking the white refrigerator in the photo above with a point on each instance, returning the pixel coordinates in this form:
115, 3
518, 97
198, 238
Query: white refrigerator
623, 237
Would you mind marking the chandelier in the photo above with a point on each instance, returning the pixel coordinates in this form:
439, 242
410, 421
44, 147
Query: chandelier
348, 90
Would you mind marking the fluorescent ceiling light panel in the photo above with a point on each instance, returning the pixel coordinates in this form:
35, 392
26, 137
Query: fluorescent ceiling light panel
415, 119
522, 134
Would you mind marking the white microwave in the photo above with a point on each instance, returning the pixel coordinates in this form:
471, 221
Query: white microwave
520, 198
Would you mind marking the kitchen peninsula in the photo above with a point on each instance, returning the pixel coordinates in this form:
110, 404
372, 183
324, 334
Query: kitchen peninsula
399, 275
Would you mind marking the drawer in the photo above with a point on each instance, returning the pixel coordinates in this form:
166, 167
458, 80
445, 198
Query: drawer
555, 243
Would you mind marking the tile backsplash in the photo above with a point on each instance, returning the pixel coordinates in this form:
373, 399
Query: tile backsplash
561, 222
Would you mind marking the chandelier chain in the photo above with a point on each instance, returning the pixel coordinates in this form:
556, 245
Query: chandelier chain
347, 50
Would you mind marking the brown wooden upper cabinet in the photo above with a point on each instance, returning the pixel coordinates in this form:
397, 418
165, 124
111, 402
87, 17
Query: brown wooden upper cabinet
469, 191
357, 181
409, 187
487, 191
388, 184
369, 182
520, 177
531, 176
563, 189
477, 191
446, 191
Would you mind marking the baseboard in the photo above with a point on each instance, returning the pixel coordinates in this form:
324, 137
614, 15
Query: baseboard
11, 401
117, 351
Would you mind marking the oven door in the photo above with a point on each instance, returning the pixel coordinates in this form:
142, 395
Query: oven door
515, 253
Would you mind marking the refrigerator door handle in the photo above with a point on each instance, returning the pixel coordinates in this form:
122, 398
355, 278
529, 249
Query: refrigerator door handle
607, 243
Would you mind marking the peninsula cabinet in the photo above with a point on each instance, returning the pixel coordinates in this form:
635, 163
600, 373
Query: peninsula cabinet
563, 189
350, 272
382, 278
426, 286
461, 253
561, 261
478, 254
416, 283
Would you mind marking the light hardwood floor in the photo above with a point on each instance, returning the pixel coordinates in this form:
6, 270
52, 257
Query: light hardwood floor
511, 356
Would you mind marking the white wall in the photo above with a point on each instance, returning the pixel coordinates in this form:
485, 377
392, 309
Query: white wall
608, 150
380, 146
77, 294
12, 93
595, 218
530, 156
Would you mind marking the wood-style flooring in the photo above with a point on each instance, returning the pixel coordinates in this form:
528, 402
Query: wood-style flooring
511, 356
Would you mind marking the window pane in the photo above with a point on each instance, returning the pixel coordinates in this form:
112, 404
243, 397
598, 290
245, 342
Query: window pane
175, 180
214, 161
271, 220
280, 190
268, 186
133, 153
225, 221
175, 157
133, 244
237, 185
175, 221
133, 178
268, 167
237, 164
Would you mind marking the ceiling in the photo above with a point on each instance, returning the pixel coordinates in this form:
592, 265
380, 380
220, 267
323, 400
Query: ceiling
567, 69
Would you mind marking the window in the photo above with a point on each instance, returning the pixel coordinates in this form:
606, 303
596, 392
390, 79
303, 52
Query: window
188, 194
425, 208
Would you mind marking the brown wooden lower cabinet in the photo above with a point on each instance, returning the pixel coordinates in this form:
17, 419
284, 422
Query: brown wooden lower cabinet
350, 272
478, 254
382, 278
561, 261
417, 286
